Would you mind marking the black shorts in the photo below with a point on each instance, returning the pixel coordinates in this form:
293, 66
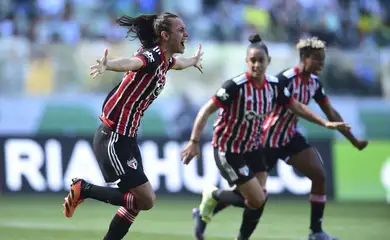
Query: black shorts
238, 168
297, 144
119, 158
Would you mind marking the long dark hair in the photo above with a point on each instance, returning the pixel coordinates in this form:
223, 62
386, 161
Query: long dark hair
147, 28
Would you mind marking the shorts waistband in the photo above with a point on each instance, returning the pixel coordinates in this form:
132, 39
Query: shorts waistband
106, 128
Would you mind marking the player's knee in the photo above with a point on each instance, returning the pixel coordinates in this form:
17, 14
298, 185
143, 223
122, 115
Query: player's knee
148, 201
256, 202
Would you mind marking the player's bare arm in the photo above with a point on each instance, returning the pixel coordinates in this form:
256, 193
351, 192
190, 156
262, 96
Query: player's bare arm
306, 113
333, 115
116, 65
192, 148
185, 62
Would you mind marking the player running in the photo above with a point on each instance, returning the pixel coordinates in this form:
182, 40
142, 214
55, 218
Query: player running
282, 139
244, 102
115, 141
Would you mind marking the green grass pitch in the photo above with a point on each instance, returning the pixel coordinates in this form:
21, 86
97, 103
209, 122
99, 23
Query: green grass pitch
39, 217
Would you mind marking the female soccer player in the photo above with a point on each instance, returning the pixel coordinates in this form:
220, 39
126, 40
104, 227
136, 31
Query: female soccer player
115, 142
244, 102
282, 140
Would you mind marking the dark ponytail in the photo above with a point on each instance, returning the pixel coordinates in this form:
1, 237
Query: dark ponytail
254, 38
256, 42
147, 28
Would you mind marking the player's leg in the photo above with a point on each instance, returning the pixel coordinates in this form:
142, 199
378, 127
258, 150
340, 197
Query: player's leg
119, 158
125, 216
248, 193
235, 170
270, 157
251, 217
309, 163
200, 224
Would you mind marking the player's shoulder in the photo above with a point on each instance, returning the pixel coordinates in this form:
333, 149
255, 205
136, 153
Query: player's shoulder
287, 74
239, 80
315, 78
271, 79
278, 80
152, 54
235, 83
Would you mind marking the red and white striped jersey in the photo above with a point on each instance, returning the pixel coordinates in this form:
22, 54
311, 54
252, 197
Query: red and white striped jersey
243, 107
281, 125
125, 105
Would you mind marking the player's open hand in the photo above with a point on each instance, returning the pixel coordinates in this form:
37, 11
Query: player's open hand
101, 65
360, 144
190, 151
342, 126
198, 56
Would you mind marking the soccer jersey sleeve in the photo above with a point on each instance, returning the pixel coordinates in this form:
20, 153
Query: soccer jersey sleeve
171, 63
320, 95
284, 96
226, 94
150, 58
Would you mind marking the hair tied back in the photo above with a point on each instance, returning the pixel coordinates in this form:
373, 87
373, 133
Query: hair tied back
254, 38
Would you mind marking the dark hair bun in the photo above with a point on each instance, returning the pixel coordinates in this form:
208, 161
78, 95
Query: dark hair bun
254, 38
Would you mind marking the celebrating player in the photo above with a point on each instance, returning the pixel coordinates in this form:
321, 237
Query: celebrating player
244, 101
282, 140
115, 141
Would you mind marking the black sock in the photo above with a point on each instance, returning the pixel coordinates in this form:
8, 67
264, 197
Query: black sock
250, 219
229, 197
317, 213
120, 224
104, 194
110, 195
220, 206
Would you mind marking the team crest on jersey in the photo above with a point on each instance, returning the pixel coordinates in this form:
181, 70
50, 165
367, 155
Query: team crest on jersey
221, 93
160, 82
158, 89
132, 163
244, 171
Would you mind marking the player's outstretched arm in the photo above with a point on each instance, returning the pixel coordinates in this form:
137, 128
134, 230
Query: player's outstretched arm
185, 62
192, 149
333, 115
306, 113
116, 65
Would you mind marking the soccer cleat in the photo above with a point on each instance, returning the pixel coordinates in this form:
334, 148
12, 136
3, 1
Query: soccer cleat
208, 204
321, 236
74, 197
200, 225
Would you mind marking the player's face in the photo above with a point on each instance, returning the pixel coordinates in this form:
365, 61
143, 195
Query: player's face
315, 63
178, 36
257, 62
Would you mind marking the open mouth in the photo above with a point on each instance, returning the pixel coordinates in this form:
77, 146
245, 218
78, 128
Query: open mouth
183, 43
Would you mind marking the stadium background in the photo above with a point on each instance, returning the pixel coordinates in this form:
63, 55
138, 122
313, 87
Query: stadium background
49, 107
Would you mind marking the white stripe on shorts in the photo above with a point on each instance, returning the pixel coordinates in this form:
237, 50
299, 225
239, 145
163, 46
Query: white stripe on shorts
116, 164
227, 168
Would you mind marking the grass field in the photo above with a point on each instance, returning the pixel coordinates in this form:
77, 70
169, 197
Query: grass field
40, 218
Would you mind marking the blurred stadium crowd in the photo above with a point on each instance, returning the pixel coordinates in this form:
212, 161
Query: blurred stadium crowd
46, 46
346, 23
